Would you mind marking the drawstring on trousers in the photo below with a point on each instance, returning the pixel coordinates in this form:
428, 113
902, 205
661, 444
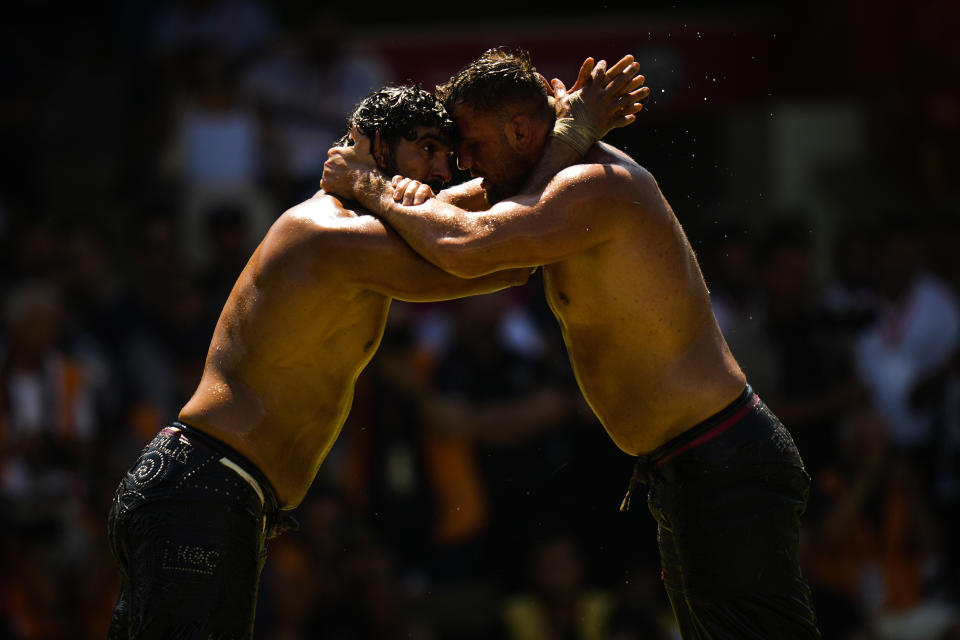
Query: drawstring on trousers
282, 524
641, 476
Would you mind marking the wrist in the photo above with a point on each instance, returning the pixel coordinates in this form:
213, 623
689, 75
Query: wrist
364, 189
577, 131
378, 192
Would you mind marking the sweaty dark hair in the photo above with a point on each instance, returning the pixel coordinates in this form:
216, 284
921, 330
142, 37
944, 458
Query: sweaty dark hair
501, 76
396, 112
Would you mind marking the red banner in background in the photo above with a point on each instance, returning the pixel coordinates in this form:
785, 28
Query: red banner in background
689, 66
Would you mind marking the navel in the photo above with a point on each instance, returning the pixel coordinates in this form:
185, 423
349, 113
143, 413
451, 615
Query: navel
563, 297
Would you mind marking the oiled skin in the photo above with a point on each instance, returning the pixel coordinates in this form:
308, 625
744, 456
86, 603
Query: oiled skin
619, 274
304, 318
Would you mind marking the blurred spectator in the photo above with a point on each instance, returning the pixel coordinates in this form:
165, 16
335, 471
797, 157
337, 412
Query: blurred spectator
946, 491
734, 274
234, 28
303, 89
558, 604
30, 601
938, 394
875, 543
789, 346
49, 414
217, 135
90, 281
304, 585
815, 384
446, 422
496, 402
51, 399
849, 297
642, 609
917, 332
35, 252
164, 332
216, 149
945, 238
386, 474
229, 246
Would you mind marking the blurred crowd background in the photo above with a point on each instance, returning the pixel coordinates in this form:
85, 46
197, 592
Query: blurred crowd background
810, 152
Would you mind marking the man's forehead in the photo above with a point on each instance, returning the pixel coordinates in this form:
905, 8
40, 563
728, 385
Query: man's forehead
462, 111
432, 134
469, 120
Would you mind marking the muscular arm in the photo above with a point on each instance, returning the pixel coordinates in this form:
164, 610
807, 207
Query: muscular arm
389, 267
576, 211
469, 196
321, 239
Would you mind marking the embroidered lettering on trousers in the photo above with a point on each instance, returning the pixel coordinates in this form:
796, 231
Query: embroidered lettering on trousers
177, 447
152, 464
191, 558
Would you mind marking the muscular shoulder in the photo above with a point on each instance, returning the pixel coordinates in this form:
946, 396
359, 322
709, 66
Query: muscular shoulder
609, 175
326, 218
320, 231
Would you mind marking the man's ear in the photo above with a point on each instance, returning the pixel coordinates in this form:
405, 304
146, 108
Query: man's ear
519, 132
380, 150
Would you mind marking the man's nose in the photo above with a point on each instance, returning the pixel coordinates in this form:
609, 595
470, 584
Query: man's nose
464, 161
441, 169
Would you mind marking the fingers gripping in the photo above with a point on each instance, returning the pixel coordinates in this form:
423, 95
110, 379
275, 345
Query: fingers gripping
424, 193
399, 187
603, 98
410, 192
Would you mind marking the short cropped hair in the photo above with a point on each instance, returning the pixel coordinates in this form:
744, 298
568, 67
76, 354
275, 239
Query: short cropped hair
500, 77
395, 112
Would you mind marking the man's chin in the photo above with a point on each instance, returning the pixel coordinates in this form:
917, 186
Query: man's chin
495, 192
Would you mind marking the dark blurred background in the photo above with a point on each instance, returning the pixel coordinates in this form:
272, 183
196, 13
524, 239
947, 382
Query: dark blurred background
810, 152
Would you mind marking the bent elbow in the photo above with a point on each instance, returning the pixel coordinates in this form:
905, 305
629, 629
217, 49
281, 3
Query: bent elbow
519, 277
464, 270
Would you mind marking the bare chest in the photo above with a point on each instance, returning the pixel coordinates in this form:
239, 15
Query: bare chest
560, 289
578, 291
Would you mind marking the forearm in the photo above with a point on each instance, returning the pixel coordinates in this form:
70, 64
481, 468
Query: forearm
429, 228
450, 287
469, 196
513, 421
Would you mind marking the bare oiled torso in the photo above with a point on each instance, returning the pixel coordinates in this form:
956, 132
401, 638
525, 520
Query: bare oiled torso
638, 325
286, 352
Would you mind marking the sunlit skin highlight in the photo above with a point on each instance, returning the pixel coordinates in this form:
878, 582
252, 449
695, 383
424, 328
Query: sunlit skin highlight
305, 317
619, 274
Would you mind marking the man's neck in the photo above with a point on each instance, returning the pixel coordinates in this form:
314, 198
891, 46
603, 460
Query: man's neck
552, 156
